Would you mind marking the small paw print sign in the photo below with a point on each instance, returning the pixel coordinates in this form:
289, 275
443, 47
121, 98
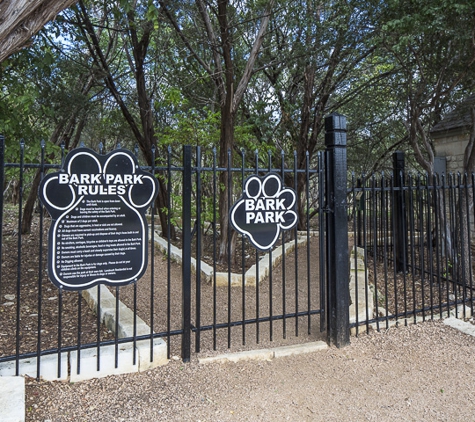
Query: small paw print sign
99, 231
264, 210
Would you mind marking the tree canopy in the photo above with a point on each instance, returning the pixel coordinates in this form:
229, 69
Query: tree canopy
234, 74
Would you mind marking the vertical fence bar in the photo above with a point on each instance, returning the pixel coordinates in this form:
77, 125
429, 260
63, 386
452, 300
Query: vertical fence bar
116, 336
367, 247
358, 222
307, 217
453, 266
469, 242
412, 262
98, 332
400, 232
152, 261
430, 252
78, 346
2, 184
354, 213
18, 284
40, 272
169, 248
186, 266
384, 208
198, 250
284, 322
243, 258
256, 159
471, 230
215, 189
337, 243
446, 244
228, 246
60, 328
422, 266
437, 236
461, 275
271, 284
321, 237
393, 223
376, 233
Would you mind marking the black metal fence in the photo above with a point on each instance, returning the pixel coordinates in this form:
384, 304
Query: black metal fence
190, 299
412, 236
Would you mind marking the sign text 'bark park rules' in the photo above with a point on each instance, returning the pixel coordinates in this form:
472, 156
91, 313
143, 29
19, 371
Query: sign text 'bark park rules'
99, 231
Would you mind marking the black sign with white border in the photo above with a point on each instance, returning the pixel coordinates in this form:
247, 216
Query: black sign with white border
99, 231
264, 210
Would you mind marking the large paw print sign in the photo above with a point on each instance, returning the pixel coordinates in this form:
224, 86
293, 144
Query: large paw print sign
264, 209
99, 230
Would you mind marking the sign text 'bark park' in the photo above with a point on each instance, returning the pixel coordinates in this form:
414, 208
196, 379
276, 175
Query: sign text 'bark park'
265, 208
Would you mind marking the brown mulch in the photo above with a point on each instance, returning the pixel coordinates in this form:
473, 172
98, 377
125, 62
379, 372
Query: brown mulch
64, 309
284, 292
222, 306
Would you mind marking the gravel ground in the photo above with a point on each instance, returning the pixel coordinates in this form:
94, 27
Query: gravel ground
424, 372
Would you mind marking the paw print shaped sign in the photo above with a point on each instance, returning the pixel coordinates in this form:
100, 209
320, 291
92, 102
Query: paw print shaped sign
264, 210
99, 231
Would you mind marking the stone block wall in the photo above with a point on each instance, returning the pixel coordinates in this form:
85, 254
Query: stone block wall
452, 147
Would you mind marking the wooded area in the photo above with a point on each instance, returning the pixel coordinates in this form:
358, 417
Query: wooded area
236, 74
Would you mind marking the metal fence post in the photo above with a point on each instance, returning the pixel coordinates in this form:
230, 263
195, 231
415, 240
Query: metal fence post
359, 214
399, 229
186, 251
337, 231
2, 184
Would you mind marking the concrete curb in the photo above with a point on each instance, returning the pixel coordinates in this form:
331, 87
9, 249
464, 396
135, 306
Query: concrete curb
458, 324
251, 277
12, 399
89, 357
361, 295
266, 354
364, 296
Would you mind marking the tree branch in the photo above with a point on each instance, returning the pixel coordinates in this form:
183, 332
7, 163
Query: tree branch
178, 30
248, 71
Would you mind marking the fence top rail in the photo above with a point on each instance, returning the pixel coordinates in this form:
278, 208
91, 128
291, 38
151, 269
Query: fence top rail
195, 169
411, 182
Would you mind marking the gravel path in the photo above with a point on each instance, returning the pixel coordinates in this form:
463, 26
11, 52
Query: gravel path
424, 372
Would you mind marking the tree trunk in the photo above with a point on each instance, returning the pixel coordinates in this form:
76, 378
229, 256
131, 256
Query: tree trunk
63, 133
22, 19
226, 187
143, 132
223, 75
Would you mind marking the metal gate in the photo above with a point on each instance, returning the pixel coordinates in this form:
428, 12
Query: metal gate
250, 297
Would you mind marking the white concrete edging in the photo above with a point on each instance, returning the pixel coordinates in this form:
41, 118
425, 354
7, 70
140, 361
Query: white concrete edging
251, 278
266, 354
364, 296
88, 357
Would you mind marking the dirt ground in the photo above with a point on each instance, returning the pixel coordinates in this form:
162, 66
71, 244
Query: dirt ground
417, 373
43, 311
424, 372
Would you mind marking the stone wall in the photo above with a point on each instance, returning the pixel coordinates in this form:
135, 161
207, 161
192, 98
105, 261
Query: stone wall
452, 147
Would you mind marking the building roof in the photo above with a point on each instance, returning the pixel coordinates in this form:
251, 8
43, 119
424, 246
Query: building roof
459, 119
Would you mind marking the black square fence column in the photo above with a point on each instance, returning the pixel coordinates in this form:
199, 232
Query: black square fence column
338, 288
